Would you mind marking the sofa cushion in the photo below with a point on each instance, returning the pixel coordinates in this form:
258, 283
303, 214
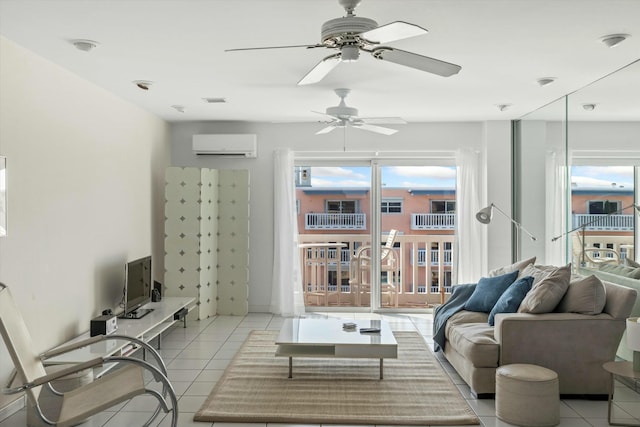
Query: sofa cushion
465, 317
476, 343
488, 290
586, 295
520, 265
631, 263
510, 300
547, 291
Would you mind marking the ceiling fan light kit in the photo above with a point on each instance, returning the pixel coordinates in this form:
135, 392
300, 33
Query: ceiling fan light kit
352, 34
342, 116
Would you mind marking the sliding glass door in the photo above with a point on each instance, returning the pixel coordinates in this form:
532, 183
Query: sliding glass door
375, 234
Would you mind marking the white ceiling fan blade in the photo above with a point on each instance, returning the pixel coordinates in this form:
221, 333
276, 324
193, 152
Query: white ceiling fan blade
320, 70
384, 120
326, 130
419, 62
325, 114
393, 31
376, 129
308, 46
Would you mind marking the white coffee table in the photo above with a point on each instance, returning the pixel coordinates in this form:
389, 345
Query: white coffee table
327, 338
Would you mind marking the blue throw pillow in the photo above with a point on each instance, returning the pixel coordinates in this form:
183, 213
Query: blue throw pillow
488, 290
510, 300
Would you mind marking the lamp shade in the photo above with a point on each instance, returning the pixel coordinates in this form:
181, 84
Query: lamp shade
484, 214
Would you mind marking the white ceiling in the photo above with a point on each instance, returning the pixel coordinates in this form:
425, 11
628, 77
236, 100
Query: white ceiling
503, 46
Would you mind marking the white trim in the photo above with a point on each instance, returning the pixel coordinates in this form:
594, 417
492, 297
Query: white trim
409, 156
604, 158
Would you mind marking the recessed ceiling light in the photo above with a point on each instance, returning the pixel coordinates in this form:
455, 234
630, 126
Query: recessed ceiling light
503, 107
589, 107
613, 40
179, 108
84, 45
544, 81
143, 84
215, 100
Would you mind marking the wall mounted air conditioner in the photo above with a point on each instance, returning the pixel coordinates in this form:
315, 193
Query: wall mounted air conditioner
230, 145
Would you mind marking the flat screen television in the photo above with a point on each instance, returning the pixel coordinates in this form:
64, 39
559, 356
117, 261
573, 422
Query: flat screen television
137, 288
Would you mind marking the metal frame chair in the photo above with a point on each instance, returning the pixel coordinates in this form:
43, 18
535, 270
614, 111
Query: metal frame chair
113, 386
359, 270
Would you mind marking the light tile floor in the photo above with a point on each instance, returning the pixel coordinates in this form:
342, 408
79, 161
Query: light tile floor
196, 357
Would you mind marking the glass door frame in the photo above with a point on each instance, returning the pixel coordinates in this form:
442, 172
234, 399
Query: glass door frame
375, 162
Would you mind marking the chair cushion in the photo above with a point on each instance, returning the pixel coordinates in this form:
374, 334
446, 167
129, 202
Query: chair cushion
547, 291
488, 290
510, 300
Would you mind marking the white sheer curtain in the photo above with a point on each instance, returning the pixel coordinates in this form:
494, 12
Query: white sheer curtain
286, 292
556, 209
470, 239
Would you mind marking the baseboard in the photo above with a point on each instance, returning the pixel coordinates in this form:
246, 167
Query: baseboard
12, 408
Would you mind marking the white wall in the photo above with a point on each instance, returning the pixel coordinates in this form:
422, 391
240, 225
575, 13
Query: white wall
301, 137
85, 182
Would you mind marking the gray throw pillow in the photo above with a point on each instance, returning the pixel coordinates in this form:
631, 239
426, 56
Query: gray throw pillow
538, 272
546, 293
586, 295
520, 265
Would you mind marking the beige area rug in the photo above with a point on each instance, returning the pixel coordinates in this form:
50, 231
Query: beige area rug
415, 390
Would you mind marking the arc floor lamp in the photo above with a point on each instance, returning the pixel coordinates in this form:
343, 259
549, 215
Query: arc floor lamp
485, 215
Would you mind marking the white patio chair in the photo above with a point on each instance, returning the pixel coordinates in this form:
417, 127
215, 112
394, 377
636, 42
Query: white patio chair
360, 267
117, 385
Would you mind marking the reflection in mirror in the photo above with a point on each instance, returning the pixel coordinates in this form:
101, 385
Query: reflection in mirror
604, 151
596, 126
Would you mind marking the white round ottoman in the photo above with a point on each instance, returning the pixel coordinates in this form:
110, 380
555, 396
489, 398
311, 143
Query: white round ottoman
527, 395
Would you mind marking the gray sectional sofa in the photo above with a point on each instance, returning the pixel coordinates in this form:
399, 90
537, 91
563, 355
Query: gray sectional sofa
624, 277
573, 344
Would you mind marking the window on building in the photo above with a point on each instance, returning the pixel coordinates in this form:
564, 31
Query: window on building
391, 206
443, 206
341, 206
603, 207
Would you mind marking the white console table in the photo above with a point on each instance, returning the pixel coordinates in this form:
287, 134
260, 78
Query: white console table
147, 328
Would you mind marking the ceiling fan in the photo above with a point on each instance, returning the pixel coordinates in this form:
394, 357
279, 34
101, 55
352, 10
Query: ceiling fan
351, 34
342, 116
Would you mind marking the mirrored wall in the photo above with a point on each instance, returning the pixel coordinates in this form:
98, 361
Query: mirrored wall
576, 175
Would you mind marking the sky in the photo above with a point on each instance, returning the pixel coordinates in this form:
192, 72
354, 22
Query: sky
602, 176
445, 177
392, 176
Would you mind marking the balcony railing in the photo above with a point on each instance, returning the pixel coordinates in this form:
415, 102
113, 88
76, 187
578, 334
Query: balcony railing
604, 222
433, 221
435, 257
326, 262
335, 221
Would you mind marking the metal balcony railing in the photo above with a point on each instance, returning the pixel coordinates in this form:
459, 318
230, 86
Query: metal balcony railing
335, 221
604, 222
433, 221
327, 275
